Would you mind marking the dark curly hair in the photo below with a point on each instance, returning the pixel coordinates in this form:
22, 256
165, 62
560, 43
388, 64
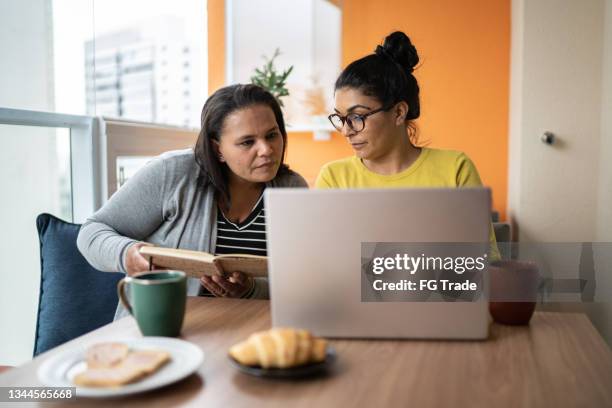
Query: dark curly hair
387, 75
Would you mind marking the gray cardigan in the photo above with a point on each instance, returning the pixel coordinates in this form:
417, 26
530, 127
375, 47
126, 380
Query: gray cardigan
164, 205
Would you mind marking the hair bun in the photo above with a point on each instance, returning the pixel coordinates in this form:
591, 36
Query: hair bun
397, 47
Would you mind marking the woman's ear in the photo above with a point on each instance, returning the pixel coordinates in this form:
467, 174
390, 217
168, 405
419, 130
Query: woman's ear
401, 111
217, 151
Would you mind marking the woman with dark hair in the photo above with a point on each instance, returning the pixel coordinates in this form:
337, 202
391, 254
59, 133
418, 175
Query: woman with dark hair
376, 104
209, 198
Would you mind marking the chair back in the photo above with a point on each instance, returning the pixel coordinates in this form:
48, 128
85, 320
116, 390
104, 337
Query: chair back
75, 298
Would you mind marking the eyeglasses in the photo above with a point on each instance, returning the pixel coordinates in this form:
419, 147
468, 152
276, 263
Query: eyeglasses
355, 121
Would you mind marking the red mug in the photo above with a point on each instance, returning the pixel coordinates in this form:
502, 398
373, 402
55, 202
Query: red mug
513, 291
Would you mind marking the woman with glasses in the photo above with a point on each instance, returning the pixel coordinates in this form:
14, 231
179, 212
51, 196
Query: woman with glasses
208, 198
376, 104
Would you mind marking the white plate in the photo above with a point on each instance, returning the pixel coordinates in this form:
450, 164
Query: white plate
59, 370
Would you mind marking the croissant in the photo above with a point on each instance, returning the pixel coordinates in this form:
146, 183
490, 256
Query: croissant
280, 348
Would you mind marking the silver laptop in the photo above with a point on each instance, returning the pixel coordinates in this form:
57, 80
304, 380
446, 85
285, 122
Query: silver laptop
314, 249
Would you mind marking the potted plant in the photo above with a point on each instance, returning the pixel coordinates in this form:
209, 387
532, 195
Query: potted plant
270, 79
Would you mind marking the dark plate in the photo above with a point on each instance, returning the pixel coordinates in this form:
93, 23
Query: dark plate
293, 372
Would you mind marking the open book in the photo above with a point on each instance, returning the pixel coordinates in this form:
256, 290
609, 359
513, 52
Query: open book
197, 263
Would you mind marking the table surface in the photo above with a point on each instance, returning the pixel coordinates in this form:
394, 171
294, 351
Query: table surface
558, 360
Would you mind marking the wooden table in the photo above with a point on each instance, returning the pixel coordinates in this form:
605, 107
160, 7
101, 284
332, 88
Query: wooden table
558, 361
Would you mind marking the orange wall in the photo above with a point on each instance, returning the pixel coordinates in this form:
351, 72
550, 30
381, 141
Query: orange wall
464, 49
216, 44
307, 156
464, 77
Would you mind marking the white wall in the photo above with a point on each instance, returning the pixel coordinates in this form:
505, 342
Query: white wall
604, 214
28, 179
561, 81
515, 169
553, 189
602, 312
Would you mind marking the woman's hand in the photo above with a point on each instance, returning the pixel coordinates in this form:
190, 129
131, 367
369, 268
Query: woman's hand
235, 285
134, 261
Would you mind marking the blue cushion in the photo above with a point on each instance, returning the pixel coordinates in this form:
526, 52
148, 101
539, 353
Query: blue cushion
74, 297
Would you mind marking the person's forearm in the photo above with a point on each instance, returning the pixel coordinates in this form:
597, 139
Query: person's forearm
103, 247
130, 215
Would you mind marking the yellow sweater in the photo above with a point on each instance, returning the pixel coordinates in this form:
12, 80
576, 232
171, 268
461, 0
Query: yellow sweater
433, 168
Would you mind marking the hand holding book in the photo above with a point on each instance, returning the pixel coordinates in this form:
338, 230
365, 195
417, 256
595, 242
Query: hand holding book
235, 285
197, 264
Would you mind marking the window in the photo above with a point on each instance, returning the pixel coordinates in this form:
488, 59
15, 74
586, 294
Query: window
310, 42
117, 69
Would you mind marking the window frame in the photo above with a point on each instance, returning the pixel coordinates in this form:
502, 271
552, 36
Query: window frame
95, 145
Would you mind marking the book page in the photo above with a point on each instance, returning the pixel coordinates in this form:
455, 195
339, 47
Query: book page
197, 263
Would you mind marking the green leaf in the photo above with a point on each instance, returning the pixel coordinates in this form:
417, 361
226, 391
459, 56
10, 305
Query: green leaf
269, 78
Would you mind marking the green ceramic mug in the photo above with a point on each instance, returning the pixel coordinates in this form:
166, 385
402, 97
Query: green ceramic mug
157, 301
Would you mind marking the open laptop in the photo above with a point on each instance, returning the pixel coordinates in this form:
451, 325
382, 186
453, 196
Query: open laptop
314, 250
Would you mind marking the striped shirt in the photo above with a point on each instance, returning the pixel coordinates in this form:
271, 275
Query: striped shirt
247, 237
